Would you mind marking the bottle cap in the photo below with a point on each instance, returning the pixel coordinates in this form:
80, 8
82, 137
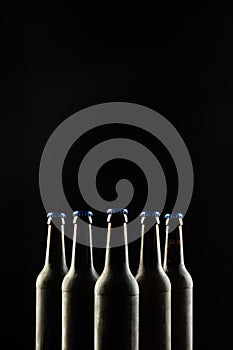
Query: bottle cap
56, 215
85, 214
53, 215
174, 216
81, 213
118, 211
178, 216
151, 214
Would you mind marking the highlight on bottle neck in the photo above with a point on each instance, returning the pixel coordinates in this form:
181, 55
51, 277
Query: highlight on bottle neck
117, 223
84, 214
82, 257
150, 257
152, 215
173, 255
53, 215
55, 251
117, 258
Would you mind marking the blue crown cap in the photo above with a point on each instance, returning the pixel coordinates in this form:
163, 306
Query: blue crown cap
174, 216
56, 215
152, 213
117, 211
82, 213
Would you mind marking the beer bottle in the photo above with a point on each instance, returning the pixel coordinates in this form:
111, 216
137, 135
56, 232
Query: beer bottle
116, 292
154, 289
48, 288
78, 289
181, 286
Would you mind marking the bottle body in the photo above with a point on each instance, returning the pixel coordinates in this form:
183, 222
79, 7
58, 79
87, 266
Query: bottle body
181, 290
116, 298
48, 309
48, 293
154, 312
154, 290
116, 311
78, 292
181, 308
78, 311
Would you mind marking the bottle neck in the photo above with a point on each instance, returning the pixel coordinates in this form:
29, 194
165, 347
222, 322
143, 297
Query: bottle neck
173, 255
55, 251
117, 257
150, 256
82, 256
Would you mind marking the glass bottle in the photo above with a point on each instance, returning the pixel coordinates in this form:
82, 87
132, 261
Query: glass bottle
154, 289
48, 288
116, 292
181, 286
78, 288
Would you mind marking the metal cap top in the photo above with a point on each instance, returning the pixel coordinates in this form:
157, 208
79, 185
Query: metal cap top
86, 215
56, 215
115, 218
173, 216
178, 216
82, 213
150, 213
117, 211
53, 215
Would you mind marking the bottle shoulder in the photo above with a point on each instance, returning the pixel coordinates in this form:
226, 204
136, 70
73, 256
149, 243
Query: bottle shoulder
49, 277
79, 280
180, 277
155, 280
117, 282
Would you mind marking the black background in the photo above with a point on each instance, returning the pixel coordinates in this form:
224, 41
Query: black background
176, 60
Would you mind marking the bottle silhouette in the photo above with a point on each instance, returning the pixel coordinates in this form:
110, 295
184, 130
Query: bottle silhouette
181, 286
48, 288
154, 289
78, 289
116, 292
